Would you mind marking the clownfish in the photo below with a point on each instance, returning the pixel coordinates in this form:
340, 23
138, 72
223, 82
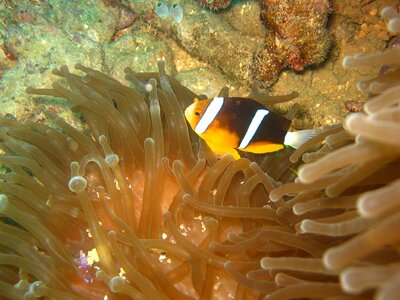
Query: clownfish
231, 124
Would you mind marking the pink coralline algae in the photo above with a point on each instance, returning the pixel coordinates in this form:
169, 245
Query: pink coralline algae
296, 38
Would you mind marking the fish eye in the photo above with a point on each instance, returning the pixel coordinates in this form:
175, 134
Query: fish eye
197, 113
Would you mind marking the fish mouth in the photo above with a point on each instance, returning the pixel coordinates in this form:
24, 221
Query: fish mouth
189, 113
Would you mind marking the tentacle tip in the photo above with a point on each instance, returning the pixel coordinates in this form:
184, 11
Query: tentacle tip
102, 139
212, 246
352, 122
167, 214
77, 184
228, 265
331, 259
264, 263
347, 282
305, 226
112, 234
394, 25
293, 158
297, 209
367, 208
116, 284
149, 86
56, 72
306, 173
274, 196
3, 202
387, 11
30, 90
362, 86
346, 63
112, 160
100, 274
295, 94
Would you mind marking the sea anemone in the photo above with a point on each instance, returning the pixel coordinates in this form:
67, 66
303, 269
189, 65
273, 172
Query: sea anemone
348, 196
136, 206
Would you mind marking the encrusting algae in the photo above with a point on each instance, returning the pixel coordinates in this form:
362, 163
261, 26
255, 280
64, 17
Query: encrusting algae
136, 206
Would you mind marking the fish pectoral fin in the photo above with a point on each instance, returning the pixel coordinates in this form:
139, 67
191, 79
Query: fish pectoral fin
262, 147
232, 151
217, 149
235, 154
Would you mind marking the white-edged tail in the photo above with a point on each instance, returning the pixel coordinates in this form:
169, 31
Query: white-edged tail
295, 139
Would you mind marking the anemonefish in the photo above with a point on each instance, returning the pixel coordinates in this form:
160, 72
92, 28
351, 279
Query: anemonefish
231, 124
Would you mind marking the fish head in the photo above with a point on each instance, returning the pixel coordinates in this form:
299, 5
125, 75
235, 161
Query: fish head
195, 111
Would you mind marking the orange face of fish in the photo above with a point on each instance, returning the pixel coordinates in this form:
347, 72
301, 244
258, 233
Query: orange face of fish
194, 112
220, 139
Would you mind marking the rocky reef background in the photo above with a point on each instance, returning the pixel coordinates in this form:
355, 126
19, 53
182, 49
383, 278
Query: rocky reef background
332, 231
206, 51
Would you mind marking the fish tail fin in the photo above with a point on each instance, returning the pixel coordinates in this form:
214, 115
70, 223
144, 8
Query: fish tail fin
295, 139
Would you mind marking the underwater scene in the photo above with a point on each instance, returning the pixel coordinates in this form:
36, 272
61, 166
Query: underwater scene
200, 149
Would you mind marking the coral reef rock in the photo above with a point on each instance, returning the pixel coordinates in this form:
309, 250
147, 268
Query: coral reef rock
136, 206
214, 4
297, 37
